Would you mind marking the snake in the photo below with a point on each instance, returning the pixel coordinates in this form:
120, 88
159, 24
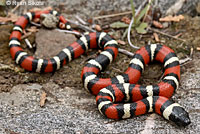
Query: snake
119, 97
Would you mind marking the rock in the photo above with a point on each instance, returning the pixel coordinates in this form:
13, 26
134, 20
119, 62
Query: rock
19, 95
51, 42
50, 21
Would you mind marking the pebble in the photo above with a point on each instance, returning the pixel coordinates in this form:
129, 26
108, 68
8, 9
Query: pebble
50, 21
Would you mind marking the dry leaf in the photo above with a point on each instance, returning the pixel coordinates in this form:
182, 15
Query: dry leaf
156, 37
157, 24
172, 18
32, 29
43, 99
126, 20
26, 35
178, 35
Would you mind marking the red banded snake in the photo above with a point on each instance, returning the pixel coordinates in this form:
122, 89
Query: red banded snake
111, 92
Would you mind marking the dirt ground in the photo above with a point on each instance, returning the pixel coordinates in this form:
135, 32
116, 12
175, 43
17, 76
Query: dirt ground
71, 109
12, 74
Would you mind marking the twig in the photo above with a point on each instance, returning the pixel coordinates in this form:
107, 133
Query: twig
191, 51
154, 30
17, 6
26, 35
123, 51
81, 20
185, 61
35, 24
71, 32
112, 15
81, 26
119, 71
28, 44
162, 76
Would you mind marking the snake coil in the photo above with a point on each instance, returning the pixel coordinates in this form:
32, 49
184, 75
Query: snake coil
111, 92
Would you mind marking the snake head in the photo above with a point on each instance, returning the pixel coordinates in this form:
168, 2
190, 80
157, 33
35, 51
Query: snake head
179, 116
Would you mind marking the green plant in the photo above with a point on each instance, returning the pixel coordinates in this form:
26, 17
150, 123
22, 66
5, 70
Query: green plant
139, 25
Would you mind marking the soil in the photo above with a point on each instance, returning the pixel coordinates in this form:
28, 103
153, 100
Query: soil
13, 74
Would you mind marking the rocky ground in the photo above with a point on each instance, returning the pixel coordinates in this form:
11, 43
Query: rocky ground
71, 109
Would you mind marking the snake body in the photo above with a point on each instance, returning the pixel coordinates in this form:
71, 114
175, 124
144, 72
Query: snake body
29, 62
111, 92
